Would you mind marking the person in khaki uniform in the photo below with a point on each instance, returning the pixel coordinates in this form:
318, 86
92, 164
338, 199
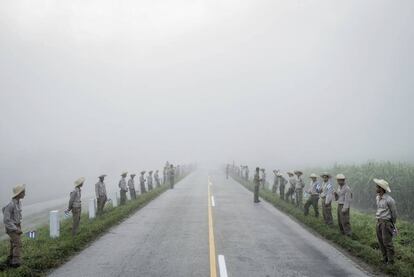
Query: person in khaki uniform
344, 197
131, 187
142, 182
100, 191
157, 179
282, 183
313, 191
291, 189
171, 176
149, 181
257, 181
12, 218
386, 218
327, 195
263, 180
75, 205
275, 181
123, 189
299, 189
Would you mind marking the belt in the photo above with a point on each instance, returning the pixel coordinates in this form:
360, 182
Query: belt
380, 220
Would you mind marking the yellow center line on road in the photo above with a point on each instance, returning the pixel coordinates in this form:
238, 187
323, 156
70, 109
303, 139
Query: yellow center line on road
211, 242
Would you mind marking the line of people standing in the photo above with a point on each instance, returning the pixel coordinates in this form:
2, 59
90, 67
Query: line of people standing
324, 190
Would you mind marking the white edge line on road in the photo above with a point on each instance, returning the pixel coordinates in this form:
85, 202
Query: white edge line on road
222, 266
213, 203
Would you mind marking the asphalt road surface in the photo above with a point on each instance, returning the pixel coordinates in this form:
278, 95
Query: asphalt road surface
170, 237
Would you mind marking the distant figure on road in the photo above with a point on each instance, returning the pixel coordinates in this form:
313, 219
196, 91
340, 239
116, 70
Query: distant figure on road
157, 179
282, 183
142, 182
131, 187
314, 190
299, 189
291, 189
246, 173
344, 197
256, 182
100, 191
327, 196
12, 218
75, 205
123, 189
149, 181
165, 172
386, 218
263, 180
171, 176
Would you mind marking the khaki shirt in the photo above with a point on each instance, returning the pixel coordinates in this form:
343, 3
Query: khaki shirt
256, 179
131, 184
281, 181
386, 208
142, 180
156, 176
149, 180
122, 185
299, 183
12, 215
100, 189
344, 197
327, 192
75, 199
292, 182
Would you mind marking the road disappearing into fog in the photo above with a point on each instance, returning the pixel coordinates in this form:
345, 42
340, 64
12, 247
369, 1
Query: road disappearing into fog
173, 236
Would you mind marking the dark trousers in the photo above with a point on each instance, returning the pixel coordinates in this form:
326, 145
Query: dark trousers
143, 189
172, 183
344, 221
274, 188
312, 201
299, 198
123, 197
132, 193
384, 231
14, 257
76, 215
289, 195
327, 212
282, 192
101, 204
256, 193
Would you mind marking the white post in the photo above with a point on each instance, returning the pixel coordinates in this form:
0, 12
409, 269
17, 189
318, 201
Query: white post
54, 224
128, 196
92, 208
114, 199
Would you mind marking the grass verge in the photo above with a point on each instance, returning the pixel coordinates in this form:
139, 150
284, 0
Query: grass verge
363, 244
43, 254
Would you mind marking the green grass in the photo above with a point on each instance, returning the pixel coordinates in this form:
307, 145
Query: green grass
363, 244
43, 254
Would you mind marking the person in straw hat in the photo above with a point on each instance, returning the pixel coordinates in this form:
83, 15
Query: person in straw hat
157, 178
12, 218
171, 176
314, 190
101, 196
299, 188
344, 197
292, 185
131, 187
123, 189
275, 181
75, 205
386, 218
256, 181
149, 181
281, 183
142, 182
327, 195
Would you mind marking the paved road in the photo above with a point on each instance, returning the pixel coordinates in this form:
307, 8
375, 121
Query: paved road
169, 237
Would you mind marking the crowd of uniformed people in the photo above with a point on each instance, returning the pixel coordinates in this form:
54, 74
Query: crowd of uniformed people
321, 188
12, 212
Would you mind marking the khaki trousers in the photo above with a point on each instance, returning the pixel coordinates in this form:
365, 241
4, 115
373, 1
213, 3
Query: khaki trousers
384, 234
14, 257
343, 221
76, 215
312, 201
327, 212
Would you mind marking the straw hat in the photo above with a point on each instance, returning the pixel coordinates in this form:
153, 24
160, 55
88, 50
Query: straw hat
143, 172
313, 175
278, 174
102, 176
383, 184
298, 172
79, 182
124, 173
326, 174
290, 173
18, 189
133, 175
340, 177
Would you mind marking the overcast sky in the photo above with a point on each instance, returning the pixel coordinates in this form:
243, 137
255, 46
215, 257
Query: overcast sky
98, 86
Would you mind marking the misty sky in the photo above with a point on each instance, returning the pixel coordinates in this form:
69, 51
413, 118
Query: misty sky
99, 86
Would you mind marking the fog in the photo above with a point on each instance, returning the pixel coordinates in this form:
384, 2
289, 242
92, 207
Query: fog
92, 87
